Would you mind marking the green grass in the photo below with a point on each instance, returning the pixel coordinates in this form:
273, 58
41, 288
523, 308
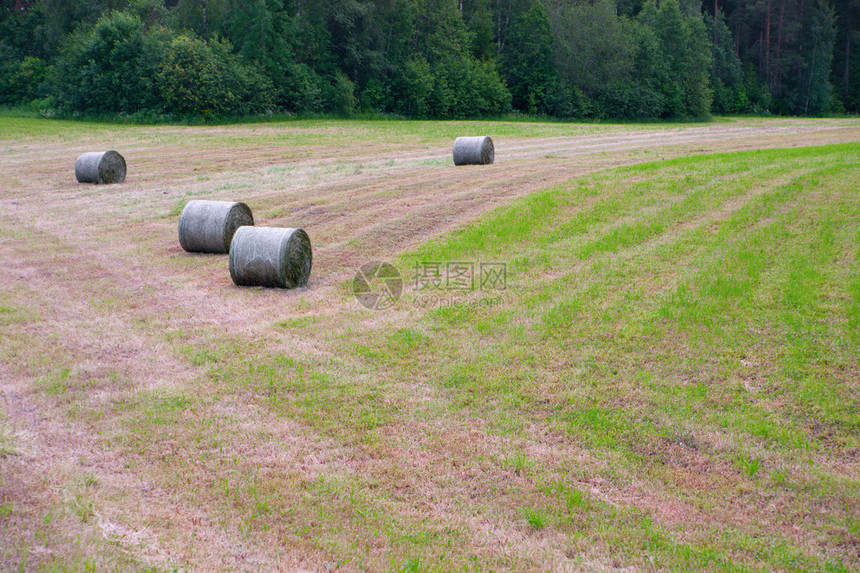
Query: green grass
766, 265
312, 132
534, 518
670, 381
666, 304
667, 316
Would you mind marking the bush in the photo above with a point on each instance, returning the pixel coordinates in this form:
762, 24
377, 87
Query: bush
413, 88
460, 88
297, 87
189, 81
20, 81
251, 89
341, 95
373, 96
491, 97
198, 78
121, 67
109, 69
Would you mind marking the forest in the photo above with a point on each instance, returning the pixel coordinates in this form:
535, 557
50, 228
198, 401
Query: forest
163, 60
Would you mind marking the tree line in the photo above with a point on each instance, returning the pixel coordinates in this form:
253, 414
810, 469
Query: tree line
619, 59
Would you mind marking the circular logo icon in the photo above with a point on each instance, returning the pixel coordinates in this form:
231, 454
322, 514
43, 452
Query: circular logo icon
377, 285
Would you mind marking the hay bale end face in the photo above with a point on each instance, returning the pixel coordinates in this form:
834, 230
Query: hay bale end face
474, 151
270, 257
100, 167
209, 226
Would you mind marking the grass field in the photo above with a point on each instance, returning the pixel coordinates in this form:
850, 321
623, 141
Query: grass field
667, 378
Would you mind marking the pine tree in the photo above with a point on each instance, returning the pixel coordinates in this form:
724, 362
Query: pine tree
528, 63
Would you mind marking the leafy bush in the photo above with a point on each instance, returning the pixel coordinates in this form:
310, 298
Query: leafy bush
121, 67
189, 79
20, 81
109, 69
200, 78
341, 95
412, 88
297, 87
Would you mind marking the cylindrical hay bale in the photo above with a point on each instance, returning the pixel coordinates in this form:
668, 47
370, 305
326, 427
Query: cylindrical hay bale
100, 167
270, 257
208, 226
474, 151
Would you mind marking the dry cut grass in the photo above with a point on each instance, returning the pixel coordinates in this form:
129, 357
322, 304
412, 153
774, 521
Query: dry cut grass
668, 380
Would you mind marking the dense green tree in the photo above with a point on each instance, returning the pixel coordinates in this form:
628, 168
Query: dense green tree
412, 87
151, 12
121, 67
726, 81
846, 54
257, 29
108, 69
63, 17
812, 92
454, 80
189, 81
199, 78
264, 33
850, 79
433, 58
203, 17
25, 80
650, 78
788, 42
21, 32
20, 80
594, 57
478, 15
504, 14
527, 62
629, 8
686, 48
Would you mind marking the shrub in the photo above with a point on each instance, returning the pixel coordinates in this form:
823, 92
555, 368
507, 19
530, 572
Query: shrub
20, 81
297, 87
121, 67
109, 69
189, 81
341, 95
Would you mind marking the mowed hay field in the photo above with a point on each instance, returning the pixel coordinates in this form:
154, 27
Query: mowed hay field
667, 379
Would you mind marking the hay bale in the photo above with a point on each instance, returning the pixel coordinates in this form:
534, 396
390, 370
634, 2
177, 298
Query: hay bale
270, 257
474, 151
100, 167
208, 226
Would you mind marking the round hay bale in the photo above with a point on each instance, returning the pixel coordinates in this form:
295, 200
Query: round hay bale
474, 151
100, 167
208, 226
270, 257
